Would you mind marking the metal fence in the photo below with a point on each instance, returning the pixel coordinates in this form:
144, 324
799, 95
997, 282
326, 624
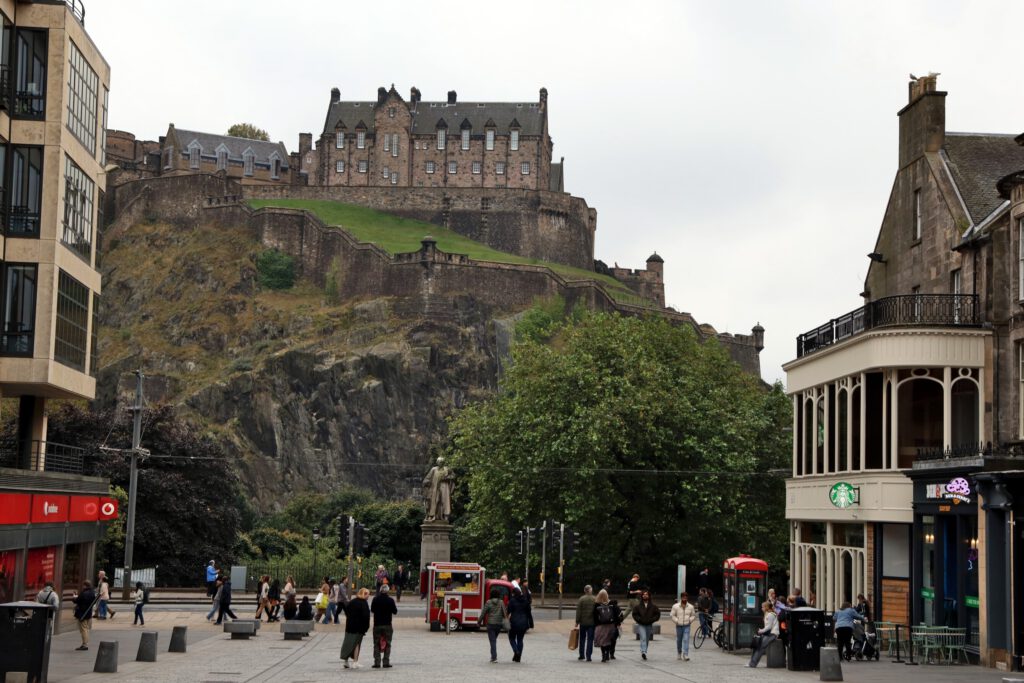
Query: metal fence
146, 576
46, 456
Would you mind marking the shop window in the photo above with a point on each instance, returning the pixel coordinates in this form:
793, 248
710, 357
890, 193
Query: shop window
965, 412
848, 535
842, 431
928, 568
812, 532
896, 551
920, 417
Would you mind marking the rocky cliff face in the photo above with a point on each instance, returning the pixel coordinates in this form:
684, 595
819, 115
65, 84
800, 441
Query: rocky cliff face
307, 394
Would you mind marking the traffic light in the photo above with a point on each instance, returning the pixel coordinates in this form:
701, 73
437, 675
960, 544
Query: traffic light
343, 535
360, 542
572, 541
553, 535
519, 542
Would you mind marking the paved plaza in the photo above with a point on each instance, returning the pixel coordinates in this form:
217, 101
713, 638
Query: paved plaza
419, 655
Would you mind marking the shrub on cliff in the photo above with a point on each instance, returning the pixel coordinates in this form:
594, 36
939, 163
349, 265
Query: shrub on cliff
635, 434
276, 269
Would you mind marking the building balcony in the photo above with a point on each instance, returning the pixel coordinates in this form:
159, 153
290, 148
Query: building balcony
42, 456
910, 310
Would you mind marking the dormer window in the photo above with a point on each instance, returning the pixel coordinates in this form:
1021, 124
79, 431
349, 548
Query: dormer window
339, 140
465, 139
361, 140
248, 162
513, 141
442, 138
275, 166
193, 156
489, 142
222, 160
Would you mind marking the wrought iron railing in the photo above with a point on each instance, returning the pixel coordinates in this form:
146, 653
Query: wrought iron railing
963, 450
22, 221
45, 456
77, 9
959, 310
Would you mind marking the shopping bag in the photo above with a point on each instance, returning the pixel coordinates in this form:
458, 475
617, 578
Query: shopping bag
574, 638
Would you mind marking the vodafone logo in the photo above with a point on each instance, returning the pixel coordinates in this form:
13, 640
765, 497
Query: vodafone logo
50, 508
108, 509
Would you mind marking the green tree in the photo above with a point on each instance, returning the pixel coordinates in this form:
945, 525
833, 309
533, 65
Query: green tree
656, 447
249, 131
276, 269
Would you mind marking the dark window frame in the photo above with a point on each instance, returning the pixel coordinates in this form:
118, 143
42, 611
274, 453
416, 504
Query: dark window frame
71, 324
25, 347
23, 207
29, 103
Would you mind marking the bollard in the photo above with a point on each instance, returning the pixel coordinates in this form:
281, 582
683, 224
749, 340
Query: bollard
831, 669
106, 658
776, 655
147, 647
178, 639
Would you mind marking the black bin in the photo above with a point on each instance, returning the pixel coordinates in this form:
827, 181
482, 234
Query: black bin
25, 629
806, 636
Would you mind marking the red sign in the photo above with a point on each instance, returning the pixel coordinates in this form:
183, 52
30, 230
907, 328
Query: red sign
47, 507
14, 508
84, 509
39, 568
108, 508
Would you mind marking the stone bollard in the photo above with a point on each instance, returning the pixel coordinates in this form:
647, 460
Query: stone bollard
147, 647
106, 658
831, 669
178, 639
776, 655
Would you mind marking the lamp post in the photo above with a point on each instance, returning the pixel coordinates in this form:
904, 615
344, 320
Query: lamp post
316, 542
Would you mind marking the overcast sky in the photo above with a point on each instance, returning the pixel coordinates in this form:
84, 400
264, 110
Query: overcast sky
751, 144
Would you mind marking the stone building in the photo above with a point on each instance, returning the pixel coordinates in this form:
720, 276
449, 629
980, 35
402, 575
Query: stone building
248, 161
414, 143
53, 111
908, 412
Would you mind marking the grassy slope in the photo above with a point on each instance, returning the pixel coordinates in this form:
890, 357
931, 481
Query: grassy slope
395, 235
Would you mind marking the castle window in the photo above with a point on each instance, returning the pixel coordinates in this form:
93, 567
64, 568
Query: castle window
430, 169
193, 156
476, 167
394, 144
222, 159
168, 157
442, 136
394, 178
361, 140
524, 168
362, 165
339, 140
499, 168
452, 168
465, 139
490, 140
387, 142
275, 168
391, 112
339, 166
248, 162
385, 172
917, 214
514, 140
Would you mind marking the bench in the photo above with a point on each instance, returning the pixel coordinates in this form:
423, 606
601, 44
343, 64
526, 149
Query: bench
656, 631
241, 629
296, 630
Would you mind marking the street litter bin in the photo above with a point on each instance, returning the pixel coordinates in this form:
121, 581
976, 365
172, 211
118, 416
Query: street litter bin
25, 629
806, 637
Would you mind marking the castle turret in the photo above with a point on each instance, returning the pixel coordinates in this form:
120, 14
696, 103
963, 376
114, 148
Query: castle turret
305, 143
543, 99
758, 337
656, 265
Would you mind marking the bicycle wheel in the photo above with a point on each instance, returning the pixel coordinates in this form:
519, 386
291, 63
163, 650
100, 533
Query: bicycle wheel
720, 636
698, 637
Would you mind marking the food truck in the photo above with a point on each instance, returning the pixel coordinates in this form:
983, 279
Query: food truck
457, 592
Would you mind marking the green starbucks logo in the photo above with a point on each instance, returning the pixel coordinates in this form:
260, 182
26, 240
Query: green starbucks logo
844, 495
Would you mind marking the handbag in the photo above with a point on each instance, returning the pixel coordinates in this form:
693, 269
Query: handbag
506, 623
574, 638
755, 642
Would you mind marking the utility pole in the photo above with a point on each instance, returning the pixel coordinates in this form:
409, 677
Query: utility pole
526, 556
543, 557
351, 546
561, 565
133, 486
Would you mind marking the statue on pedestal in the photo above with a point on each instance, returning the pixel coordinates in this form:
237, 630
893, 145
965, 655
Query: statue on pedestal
437, 492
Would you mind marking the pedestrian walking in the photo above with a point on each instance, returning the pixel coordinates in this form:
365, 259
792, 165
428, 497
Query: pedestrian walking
223, 600
768, 632
633, 591
844, 619
585, 622
342, 601
800, 602
683, 615
263, 597
211, 579
289, 586
704, 610
645, 614
332, 602
48, 596
520, 618
274, 600
103, 592
863, 607
84, 602
383, 609
381, 577
323, 598
606, 620
214, 600
138, 597
400, 579
357, 623
493, 614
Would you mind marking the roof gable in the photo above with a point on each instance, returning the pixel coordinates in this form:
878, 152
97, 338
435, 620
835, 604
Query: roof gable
976, 162
235, 147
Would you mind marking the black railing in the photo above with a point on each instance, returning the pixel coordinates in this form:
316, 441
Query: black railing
77, 9
963, 450
960, 310
23, 221
5, 87
45, 456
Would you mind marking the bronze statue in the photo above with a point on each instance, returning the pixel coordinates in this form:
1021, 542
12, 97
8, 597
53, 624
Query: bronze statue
437, 492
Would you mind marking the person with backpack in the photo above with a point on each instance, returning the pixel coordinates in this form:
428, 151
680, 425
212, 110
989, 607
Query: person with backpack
645, 614
138, 596
274, 601
48, 596
84, 603
606, 625
493, 614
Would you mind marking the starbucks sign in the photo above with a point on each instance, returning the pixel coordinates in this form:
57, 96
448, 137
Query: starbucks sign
844, 495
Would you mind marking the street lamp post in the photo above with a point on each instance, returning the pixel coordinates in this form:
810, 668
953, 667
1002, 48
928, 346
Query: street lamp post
316, 542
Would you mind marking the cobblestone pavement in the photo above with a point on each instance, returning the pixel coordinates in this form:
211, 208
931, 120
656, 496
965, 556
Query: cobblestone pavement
419, 655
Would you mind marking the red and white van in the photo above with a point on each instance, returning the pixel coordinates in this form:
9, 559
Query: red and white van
457, 592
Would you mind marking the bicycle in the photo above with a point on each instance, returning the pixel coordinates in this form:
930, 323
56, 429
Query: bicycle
707, 629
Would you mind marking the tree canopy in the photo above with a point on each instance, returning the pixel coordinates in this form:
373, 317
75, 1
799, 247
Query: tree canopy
654, 446
248, 130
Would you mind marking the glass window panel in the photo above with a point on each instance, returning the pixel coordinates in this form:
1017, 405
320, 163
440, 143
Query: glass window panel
19, 309
72, 322
83, 93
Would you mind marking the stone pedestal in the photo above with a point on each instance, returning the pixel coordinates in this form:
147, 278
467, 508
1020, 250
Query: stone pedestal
435, 543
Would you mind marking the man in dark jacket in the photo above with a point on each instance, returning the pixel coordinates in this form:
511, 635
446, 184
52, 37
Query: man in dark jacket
84, 602
645, 614
400, 578
223, 600
383, 608
585, 622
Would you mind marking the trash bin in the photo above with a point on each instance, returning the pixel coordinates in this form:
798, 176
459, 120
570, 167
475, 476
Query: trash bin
806, 636
25, 629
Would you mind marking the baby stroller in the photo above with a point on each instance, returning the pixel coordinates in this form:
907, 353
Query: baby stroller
865, 641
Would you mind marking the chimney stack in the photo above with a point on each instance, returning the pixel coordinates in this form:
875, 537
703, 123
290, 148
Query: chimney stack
414, 95
382, 94
923, 120
451, 97
305, 143
543, 99
335, 95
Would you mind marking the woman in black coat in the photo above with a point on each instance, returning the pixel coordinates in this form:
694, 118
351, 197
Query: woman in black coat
305, 610
357, 623
520, 619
